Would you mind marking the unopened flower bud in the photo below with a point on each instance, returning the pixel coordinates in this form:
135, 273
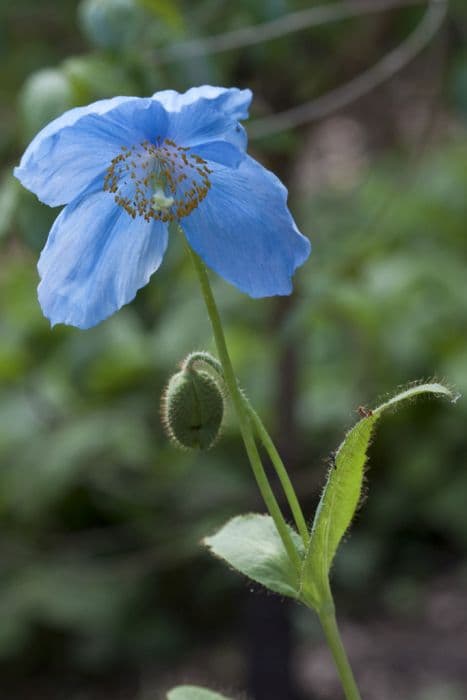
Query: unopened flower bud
192, 409
111, 24
45, 95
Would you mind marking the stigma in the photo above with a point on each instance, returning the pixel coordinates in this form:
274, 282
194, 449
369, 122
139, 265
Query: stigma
158, 181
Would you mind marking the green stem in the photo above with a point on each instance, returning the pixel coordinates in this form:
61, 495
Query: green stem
281, 472
328, 621
265, 438
242, 413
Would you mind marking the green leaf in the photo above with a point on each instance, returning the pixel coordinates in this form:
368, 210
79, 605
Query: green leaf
251, 544
341, 496
192, 692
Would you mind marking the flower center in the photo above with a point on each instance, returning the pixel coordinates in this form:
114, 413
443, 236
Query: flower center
164, 182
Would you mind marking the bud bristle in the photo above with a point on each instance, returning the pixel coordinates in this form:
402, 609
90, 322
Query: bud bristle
193, 409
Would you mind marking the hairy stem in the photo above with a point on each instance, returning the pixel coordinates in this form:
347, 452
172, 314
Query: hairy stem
328, 622
281, 472
242, 413
268, 444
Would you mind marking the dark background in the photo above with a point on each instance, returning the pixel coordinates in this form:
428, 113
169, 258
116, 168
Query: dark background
105, 593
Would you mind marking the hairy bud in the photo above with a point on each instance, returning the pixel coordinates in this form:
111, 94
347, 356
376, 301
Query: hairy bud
192, 409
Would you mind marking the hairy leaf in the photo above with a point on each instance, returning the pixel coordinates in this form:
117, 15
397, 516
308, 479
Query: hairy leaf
341, 496
251, 544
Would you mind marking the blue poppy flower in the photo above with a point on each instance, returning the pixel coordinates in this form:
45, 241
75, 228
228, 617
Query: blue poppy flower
126, 168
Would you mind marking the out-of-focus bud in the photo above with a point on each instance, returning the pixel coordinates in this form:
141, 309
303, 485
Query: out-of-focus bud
45, 95
96, 76
111, 24
192, 409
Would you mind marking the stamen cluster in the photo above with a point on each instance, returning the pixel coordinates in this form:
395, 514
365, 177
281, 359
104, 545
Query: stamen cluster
161, 182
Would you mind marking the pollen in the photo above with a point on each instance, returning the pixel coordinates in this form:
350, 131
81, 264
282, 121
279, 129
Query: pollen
159, 181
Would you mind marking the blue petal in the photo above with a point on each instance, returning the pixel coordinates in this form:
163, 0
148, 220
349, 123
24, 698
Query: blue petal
219, 152
232, 101
95, 260
70, 152
208, 115
244, 231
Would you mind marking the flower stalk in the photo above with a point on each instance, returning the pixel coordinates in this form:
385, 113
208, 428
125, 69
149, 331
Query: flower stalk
268, 444
327, 618
281, 472
242, 412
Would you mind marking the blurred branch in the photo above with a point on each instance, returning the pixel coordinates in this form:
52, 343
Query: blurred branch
405, 181
288, 24
340, 97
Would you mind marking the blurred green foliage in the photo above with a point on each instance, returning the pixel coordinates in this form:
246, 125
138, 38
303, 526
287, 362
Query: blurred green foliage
100, 517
